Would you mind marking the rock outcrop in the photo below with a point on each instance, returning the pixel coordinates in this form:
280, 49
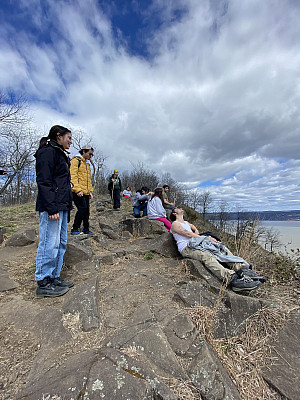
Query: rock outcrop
124, 331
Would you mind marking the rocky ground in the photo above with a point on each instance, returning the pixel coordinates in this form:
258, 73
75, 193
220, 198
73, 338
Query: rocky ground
140, 322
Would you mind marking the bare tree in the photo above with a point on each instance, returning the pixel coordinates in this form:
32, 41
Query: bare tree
205, 202
18, 150
14, 111
271, 237
140, 176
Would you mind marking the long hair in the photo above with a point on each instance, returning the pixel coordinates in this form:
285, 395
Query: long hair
57, 130
158, 193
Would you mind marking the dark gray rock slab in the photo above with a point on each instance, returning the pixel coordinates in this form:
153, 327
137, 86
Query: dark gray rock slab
78, 249
149, 340
105, 258
115, 375
208, 375
23, 237
87, 268
110, 234
82, 299
232, 318
284, 373
67, 381
163, 245
142, 226
181, 334
5, 282
195, 293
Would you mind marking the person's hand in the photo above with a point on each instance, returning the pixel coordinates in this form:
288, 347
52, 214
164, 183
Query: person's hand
172, 204
197, 232
212, 239
80, 194
91, 196
54, 217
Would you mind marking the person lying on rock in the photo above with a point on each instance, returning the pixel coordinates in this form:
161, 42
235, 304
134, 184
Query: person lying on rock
212, 253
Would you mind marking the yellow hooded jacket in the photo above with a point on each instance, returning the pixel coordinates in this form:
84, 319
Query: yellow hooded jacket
81, 176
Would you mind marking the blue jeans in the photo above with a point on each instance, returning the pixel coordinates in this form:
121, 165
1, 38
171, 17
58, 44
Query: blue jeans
137, 210
52, 245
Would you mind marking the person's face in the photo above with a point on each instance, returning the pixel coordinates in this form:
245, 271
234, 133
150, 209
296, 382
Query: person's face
88, 155
166, 189
143, 191
179, 211
116, 174
65, 141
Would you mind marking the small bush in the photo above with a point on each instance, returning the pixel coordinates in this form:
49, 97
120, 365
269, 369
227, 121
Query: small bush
148, 255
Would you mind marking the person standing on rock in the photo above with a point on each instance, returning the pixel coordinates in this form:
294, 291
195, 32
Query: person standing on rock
212, 253
82, 189
54, 202
115, 188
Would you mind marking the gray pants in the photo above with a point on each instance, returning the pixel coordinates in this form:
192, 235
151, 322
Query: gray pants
211, 263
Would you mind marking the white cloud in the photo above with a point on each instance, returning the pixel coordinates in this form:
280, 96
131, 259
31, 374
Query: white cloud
216, 102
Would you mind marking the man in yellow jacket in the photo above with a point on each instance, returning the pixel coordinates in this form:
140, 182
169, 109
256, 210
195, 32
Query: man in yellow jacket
82, 189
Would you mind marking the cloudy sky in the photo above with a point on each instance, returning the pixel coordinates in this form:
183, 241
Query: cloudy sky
206, 90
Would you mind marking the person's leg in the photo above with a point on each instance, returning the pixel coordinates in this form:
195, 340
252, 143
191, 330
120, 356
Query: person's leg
209, 261
63, 215
166, 222
49, 232
81, 209
86, 214
116, 199
137, 211
144, 209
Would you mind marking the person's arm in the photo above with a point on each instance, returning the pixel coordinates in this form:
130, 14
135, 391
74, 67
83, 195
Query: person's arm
74, 177
194, 229
159, 207
2, 172
178, 228
45, 163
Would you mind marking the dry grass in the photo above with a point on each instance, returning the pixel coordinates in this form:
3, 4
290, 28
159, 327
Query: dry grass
244, 356
184, 390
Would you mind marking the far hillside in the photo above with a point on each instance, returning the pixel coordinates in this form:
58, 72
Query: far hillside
292, 215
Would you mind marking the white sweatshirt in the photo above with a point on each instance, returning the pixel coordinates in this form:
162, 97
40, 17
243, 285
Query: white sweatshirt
155, 209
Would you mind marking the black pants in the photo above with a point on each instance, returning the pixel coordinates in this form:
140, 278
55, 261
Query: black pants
116, 197
83, 212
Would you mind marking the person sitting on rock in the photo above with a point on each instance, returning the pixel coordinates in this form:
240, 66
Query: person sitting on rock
140, 201
166, 203
212, 253
155, 209
127, 193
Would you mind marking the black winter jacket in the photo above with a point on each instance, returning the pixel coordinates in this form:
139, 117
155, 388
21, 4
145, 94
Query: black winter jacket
53, 179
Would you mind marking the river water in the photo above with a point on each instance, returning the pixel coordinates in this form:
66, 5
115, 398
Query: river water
289, 233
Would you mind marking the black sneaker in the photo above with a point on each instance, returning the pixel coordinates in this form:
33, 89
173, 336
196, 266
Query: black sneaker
243, 284
47, 289
253, 275
60, 282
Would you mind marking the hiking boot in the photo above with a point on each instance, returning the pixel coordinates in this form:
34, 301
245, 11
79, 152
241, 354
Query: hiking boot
47, 289
60, 282
87, 232
75, 232
253, 275
243, 284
